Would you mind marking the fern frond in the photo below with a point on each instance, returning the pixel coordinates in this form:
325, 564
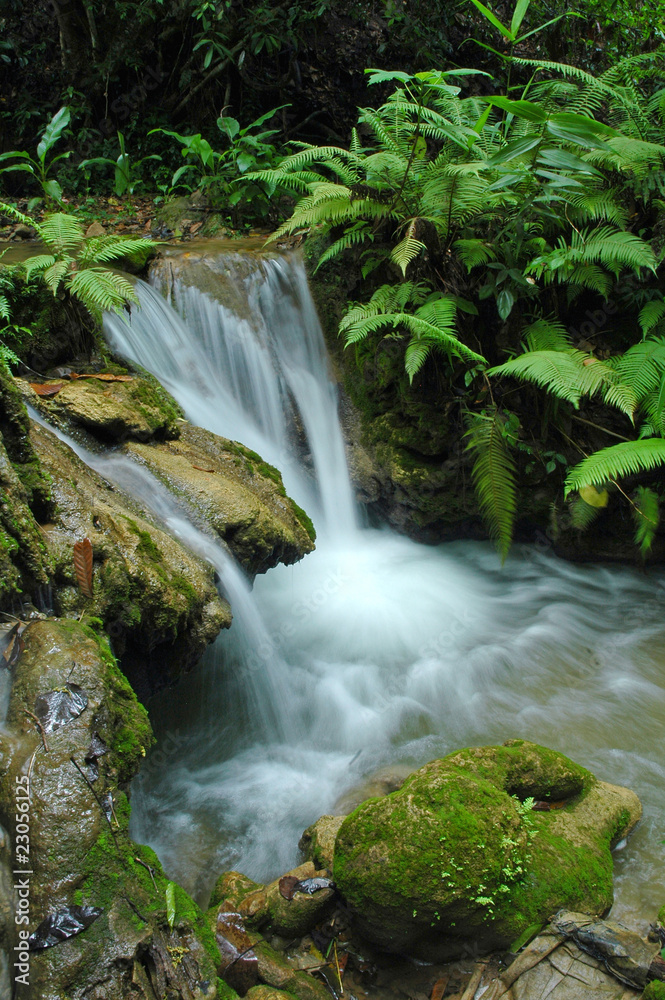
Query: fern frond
101, 290
100, 249
493, 475
557, 371
406, 251
615, 462
64, 233
354, 236
650, 315
54, 275
546, 335
473, 252
582, 514
37, 264
646, 514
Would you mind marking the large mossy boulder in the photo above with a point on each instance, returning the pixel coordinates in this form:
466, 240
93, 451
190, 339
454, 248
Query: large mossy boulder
232, 491
459, 854
76, 766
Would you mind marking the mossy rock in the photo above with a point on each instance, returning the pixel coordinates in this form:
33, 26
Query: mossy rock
654, 991
79, 853
232, 491
116, 410
456, 856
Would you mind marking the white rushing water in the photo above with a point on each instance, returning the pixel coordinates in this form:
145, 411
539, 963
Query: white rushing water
374, 654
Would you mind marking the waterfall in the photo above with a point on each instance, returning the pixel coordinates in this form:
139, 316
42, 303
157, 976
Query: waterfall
374, 654
251, 367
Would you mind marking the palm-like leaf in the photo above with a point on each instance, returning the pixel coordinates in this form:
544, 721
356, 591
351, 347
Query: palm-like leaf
646, 514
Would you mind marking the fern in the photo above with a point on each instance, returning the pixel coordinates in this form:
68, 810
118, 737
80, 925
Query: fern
615, 462
493, 475
646, 514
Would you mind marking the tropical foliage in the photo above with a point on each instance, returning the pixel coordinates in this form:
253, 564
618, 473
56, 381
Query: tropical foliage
514, 210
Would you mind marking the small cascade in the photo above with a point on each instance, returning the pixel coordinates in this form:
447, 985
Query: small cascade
247, 360
374, 654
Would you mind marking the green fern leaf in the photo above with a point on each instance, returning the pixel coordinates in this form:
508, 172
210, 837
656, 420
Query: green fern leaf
646, 514
101, 290
615, 462
651, 315
582, 514
37, 264
406, 251
494, 477
62, 232
556, 371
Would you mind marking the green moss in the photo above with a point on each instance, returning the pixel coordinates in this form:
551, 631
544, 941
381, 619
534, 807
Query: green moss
305, 520
654, 991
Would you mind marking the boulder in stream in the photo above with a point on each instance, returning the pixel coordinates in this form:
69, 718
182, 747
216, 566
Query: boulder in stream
147, 938
480, 846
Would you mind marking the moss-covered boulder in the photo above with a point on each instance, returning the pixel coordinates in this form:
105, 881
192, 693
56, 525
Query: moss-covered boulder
79, 850
157, 599
233, 491
131, 407
458, 854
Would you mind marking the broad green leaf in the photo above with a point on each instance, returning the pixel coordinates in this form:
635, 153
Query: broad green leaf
521, 109
514, 149
505, 301
231, 126
559, 159
486, 12
594, 497
53, 131
521, 8
53, 190
170, 904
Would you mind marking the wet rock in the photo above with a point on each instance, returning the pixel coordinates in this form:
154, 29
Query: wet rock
230, 891
239, 964
232, 491
625, 954
267, 993
80, 858
568, 973
157, 600
455, 856
318, 841
291, 918
275, 971
116, 411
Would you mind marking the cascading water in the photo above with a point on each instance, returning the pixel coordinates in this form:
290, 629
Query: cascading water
374, 652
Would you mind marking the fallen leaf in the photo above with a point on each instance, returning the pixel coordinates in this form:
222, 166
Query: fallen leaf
439, 988
96, 750
104, 376
63, 924
58, 707
200, 468
46, 388
83, 566
14, 644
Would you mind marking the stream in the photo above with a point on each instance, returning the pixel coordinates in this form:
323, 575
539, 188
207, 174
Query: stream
374, 654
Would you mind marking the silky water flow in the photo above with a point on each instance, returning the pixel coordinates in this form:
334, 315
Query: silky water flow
374, 654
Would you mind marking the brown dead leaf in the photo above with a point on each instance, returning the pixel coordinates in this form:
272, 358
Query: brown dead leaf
46, 388
104, 376
439, 987
200, 468
287, 885
83, 566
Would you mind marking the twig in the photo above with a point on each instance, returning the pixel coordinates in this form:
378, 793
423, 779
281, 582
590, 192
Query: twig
151, 870
98, 800
598, 427
339, 974
39, 726
474, 982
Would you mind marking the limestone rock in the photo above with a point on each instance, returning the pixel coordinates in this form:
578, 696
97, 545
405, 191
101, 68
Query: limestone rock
141, 574
231, 490
77, 854
318, 841
455, 856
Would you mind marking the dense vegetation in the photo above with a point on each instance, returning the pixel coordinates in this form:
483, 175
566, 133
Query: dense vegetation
500, 197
